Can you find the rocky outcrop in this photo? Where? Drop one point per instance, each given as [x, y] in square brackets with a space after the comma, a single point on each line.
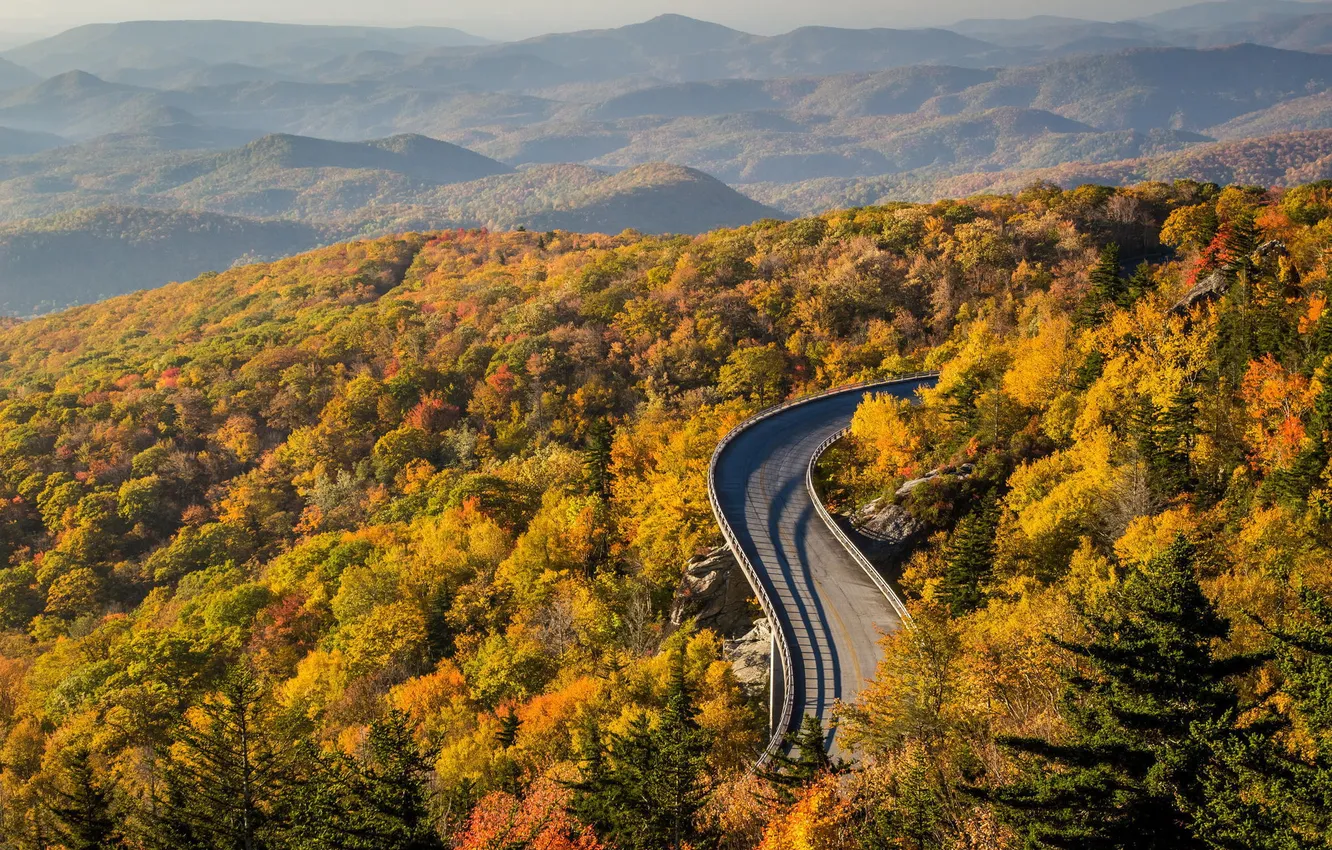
[963, 471]
[750, 657]
[715, 594]
[885, 523]
[1212, 286]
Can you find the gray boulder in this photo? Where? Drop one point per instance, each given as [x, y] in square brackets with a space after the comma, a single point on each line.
[716, 595]
[750, 657]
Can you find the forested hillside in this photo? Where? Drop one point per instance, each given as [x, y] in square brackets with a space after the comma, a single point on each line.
[373, 546]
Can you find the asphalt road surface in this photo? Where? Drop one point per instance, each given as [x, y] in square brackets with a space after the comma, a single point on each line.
[832, 614]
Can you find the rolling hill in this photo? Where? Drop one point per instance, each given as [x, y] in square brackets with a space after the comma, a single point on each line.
[13, 76]
[1283, 160]
[82, 256]
[72, 259]
[21, 142]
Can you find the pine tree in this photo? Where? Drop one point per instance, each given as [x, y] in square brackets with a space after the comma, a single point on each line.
[225, 773]
[970, 557]
[81, 804]
[913, 817]
[1140, 283]
[395, 787]
[507, 735]
[1108, 289]
[1106, 283]
[1150, 719]
[1237, 240]
[597, 458]
[1301, 788]
[1164, 440]
[645, 790]
[381, 803]
[803, 759]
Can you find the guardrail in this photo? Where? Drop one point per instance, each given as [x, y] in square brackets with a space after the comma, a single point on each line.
[852, 549]
[781, 645]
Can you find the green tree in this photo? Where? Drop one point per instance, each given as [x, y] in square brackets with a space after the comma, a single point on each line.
[395, 787]
[1153, 713]
[225, 770]
[970, 559]
[381, 802]
[645, 790]
[756, 372]
[597, 458]
[1108, 289]
[80, 802]
[803, 759]
[1300, 788]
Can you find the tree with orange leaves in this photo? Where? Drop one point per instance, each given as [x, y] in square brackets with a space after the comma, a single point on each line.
[537, 821]
[819, 820]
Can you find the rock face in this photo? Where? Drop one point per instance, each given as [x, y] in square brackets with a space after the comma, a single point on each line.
[716, 595]
[963, 471]
[750, 657]
[885, 523]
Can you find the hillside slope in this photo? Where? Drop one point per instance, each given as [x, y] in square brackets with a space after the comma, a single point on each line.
[72, 259]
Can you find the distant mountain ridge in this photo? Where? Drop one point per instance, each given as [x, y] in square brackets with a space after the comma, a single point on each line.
[101, 47]
[13, 76]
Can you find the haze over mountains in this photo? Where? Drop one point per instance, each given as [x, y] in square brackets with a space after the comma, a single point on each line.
[634, 126]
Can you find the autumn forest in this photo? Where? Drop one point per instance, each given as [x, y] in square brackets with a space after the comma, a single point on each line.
[378, 546]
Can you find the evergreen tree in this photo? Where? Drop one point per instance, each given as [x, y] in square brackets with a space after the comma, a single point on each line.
[395, 787]
[645, 790]
[81, 804]
[315, 804]
[1152, 719]
[508, 731]
[382, 803]
[597, 458]
[1237, 240]
[1140, 283]
[1301, 788]
[970, 557]
[225, 771]
[913, 816]
[804, 759]
[1108, 289]
[1106, 283]
[1164, 440]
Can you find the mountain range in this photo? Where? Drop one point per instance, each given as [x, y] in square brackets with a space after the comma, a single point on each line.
[638, 126]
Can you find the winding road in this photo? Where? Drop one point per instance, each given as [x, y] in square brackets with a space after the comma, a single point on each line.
[828, 606]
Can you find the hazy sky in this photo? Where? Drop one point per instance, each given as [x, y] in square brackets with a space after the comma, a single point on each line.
[525, 17]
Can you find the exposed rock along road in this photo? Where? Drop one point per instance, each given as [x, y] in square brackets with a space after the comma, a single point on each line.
[829, 611]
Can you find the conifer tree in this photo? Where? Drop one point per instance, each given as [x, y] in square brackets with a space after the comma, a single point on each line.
[1106, 283]
[970, 557]
[645, 790]
[1140, 283]
[1150, 713]
[225, 771]
[804, 759]
[395, 787]
[597, 458]
[382, 802]
[1108, 289]
[1300, 788]
[81, 804]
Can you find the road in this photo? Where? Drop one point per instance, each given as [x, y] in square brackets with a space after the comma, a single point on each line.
[829, 612]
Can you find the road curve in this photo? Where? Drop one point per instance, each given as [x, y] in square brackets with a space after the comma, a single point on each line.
[828, 612]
